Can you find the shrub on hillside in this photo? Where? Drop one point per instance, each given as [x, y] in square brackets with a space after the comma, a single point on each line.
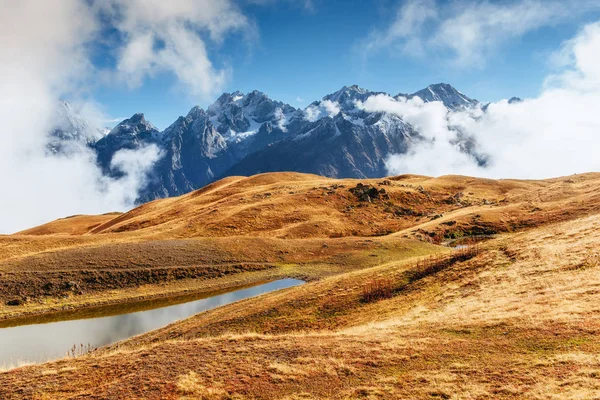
[378, 289]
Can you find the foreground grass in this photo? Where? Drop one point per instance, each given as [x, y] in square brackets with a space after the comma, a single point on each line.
[519, 320]
[409, 362]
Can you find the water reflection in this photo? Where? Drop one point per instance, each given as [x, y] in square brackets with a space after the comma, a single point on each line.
[43, 342]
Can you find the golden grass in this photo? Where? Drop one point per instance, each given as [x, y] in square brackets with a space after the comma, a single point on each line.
[518, 318]
[190, 385]
[74, 225]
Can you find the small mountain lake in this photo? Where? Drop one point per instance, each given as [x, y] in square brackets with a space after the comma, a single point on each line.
[41, 340]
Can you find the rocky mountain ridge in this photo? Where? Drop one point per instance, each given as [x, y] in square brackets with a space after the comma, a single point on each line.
[245, 134]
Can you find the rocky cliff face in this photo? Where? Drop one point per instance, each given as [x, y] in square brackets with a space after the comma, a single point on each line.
[131, 134]
[342, 141]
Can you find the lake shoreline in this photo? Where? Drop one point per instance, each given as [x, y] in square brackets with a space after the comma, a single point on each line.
[48, 341]
[57, 309]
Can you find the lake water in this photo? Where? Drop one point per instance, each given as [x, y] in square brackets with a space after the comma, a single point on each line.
[36, 343]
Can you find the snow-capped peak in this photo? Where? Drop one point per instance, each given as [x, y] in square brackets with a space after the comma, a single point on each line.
[346, 98]
[134, 126]
[237, 116]
[348, 93]
[445, 93]
[196, 112]
[70, 126]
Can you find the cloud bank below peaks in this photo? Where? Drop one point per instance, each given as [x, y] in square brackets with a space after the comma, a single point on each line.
[556, 133]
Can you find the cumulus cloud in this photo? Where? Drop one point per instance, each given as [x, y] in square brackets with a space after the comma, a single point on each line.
[46, 56]
[321, 109]
[470, 31]
[42, 60]
[134, 165]
[551, 135]
[438, 151]
[170, 36]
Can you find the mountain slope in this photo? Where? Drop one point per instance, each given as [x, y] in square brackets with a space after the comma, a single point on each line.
[200, 147]
[130, 134]
[349, 142]
[334, 147]
[73, 225]
[275, 225]
[295, 205]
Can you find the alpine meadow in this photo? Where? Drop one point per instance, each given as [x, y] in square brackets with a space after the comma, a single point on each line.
[311, 199]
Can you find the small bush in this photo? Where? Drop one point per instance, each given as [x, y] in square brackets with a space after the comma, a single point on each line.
[590, 261]
[434, 264]
[378, 289]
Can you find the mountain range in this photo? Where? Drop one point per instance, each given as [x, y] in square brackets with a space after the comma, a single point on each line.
[246, 134]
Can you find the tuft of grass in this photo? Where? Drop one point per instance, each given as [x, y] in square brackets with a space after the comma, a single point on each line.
[190, 385]
[591, 261]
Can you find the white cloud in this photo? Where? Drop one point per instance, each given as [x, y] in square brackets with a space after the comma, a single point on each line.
[437, 153]
[312, 113]
[551, 135]
[44, 58]
[281, 119]
[331, 107]
[579, 59]
[323, 108]
[406, 29]
[134, 164]
[468, 32]
[299, 99]
[170, 36]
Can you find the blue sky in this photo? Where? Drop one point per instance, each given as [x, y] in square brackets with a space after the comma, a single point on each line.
[294, 50]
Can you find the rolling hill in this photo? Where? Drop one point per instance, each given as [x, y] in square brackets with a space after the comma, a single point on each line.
[390, 309]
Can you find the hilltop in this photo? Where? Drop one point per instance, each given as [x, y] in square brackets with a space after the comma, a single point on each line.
[298, 206]
[390, 310]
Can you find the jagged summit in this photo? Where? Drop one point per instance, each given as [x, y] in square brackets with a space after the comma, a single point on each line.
[237, 116]
[347, 97]
[131, 133]
[196, 112]
[445, 93]
[351, 91]
[514, 100]
[71, 128]
[135, 125]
